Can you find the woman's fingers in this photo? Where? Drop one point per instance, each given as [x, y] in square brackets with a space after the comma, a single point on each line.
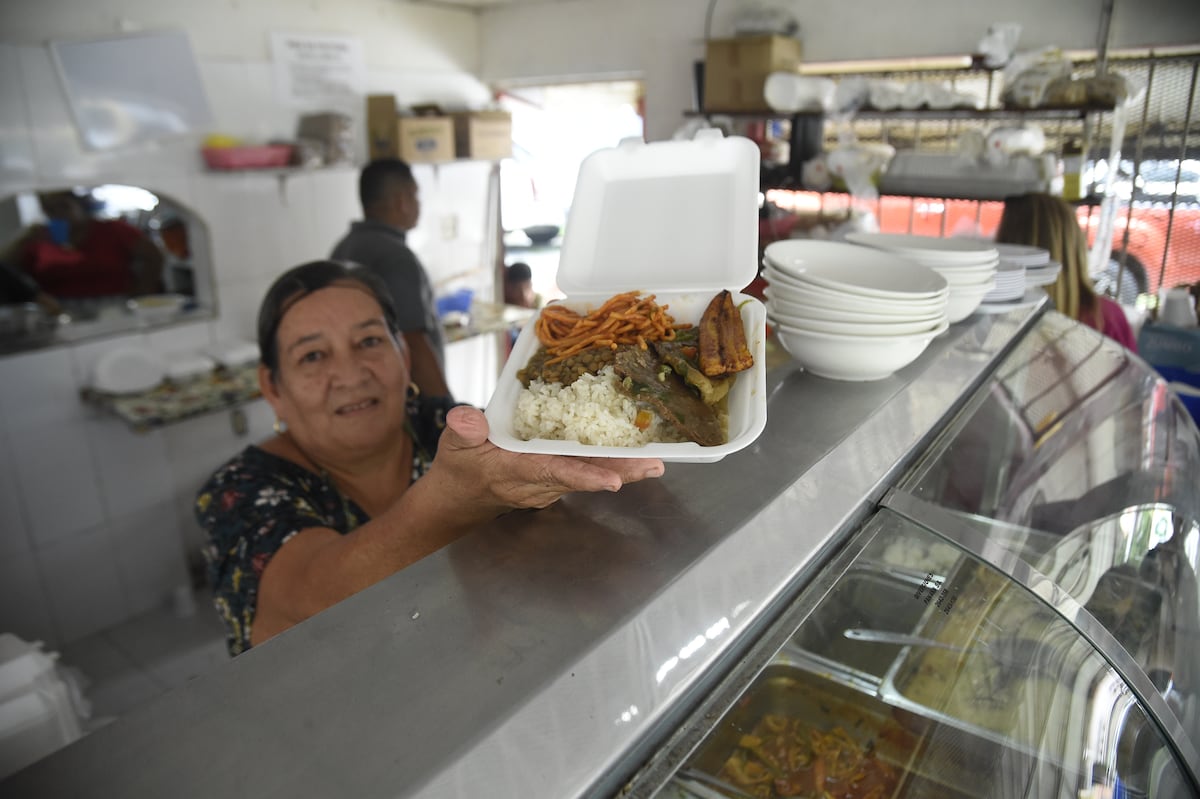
[530, 480]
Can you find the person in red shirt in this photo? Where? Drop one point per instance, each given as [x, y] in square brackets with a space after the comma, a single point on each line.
[76, 255]
[1049, 222]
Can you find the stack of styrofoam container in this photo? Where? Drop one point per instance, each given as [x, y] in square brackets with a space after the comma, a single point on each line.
[37, 714]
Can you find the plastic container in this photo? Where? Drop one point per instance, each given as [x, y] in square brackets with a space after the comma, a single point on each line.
[948, 175]
[459, 301]
[37, 716]
[263, 156]
[676, 219]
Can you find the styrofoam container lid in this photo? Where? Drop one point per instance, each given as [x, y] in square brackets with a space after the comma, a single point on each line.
[673, 215]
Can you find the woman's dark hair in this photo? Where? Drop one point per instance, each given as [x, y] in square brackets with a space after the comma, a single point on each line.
[300, 281]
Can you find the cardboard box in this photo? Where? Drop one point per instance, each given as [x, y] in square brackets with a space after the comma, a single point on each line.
[416, 139]
[483, 134]
[425, 140]
[382, 139]
[735, 70]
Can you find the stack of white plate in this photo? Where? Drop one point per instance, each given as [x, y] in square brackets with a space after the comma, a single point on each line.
[1010, 283]
[968, 265]
[1039, 269]
[851, 313]
[1011, 276]
[1044, 275]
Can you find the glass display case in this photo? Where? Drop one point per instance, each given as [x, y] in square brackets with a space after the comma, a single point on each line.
[1019, 617]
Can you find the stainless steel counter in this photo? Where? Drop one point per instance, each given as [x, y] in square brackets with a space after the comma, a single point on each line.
[546, 654]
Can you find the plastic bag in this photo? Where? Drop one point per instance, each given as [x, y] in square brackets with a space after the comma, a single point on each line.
[1028, 75]
[998, 44]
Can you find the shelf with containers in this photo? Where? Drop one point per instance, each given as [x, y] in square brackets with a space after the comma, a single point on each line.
[1145, 231]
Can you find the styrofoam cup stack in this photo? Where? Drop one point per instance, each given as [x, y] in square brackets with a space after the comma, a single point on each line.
[968, 265]
[851, 313]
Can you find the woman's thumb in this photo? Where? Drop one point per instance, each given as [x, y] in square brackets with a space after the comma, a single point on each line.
[466, 427]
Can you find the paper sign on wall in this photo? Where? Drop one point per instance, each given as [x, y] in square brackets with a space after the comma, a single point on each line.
[314, 70]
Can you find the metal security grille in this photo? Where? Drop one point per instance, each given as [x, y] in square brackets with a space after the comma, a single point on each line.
[1154, 184]
[1160, 153]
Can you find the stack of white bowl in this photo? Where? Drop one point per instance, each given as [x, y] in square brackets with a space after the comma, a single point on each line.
[848, 312]
[969, 265]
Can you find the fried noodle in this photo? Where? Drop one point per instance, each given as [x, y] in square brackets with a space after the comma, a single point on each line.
[623, 319]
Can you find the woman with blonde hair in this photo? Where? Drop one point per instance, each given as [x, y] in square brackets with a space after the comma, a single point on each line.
[1049, 222]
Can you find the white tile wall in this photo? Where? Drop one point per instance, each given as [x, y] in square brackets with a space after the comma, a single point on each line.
[58, 483]
[96, 521]
[83, 584]
[14, 535]
[16, 135]
[132, 467]
[149, 555]
[24, 608]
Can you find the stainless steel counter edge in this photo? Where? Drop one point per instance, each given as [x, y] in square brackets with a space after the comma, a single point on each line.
[530, 658]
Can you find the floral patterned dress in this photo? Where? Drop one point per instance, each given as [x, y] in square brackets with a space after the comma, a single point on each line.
[257, 501]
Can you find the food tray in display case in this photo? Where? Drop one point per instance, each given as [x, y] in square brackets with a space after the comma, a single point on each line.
[947, 704]
[867, 597]
[792, 730]
[1007, 669]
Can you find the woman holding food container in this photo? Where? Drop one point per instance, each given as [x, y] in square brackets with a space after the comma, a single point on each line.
[364, 476]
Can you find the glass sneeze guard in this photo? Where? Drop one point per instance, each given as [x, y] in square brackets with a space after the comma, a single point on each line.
[925, 671]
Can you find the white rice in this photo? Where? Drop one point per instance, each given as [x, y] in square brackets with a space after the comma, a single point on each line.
[591, 411]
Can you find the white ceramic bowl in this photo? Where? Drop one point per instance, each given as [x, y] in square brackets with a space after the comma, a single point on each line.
[947, 260]
[968, 279]
[964, 302]
[953, 248]
[874, 328]
[852, 269]
[817, 295]
[854, 358]
[880, 313]
[786, 282]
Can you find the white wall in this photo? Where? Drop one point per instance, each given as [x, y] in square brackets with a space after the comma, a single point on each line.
[95, 520]
[659, 40]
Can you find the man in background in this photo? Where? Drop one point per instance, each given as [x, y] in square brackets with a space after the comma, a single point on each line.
[391, 208]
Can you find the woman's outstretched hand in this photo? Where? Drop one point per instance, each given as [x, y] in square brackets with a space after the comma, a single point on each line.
[481, 473]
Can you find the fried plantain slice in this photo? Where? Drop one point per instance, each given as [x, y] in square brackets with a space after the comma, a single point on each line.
[735, 351]
[722, 338]
[709, 339]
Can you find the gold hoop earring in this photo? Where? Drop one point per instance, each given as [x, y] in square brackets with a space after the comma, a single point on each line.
[280, 426]
[414, 390]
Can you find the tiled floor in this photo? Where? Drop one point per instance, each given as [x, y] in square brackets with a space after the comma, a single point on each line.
[133, 663]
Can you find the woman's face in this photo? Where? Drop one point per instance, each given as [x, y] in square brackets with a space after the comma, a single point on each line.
[343, 378]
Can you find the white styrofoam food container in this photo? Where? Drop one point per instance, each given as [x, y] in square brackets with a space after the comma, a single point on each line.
[676, 219]
[37, 716]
